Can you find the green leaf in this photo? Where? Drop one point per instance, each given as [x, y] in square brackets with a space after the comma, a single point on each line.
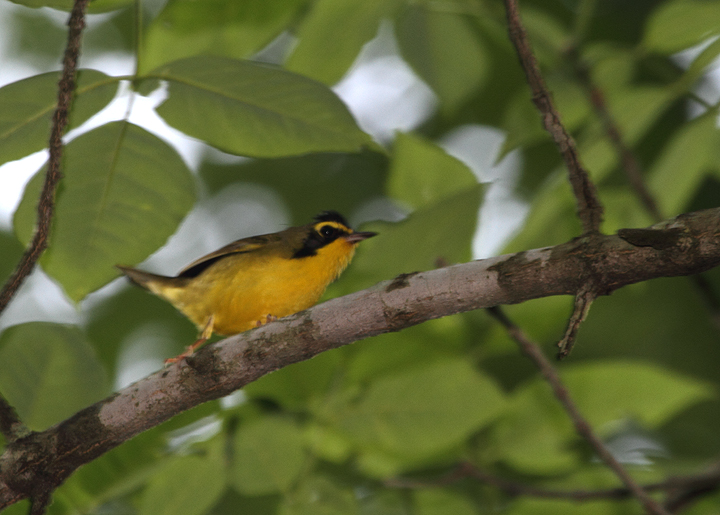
[308, 184]
[327, 443]
[656, 321]
[606, 391]
[677, 25]
[269, 456]
[218, 27]
[636, 110]
[698, 67]
[422, 173]
[186, 485]
[343, 27]
[442, 502]
[680, 169]
[422, 411]
[48, 372]
[531, 436]
[383, 501]
[124, 193]
[120, 473]
[535, 434]
[442, 49]
[623, 209]
[11, 253]
[522, 123]
[255, 110]
[388, 353]
[530, 506]
[27, 107]
[442, 231]
[294, 386]
[318, 495]
[551, 220]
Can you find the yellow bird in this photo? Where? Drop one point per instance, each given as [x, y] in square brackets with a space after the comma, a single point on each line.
[258, 279]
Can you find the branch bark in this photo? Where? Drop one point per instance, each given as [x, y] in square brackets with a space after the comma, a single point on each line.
[686, 245]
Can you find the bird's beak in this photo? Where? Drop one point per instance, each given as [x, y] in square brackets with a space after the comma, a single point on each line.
[357, 237]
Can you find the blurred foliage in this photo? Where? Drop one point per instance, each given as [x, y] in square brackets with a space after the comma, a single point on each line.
[250, 80]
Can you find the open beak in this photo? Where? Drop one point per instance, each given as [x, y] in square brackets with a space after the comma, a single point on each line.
[357, 237]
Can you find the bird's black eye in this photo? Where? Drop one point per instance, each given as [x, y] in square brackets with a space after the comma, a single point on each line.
[327, 231]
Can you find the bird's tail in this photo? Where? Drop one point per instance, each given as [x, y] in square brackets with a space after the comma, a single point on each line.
[151, 282]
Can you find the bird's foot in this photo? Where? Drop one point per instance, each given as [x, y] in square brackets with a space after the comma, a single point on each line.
[268, 319]
[188, 352]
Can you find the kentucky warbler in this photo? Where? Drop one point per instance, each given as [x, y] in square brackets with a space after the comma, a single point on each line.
[258, 279]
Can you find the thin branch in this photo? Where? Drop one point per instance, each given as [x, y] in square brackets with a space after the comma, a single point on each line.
[681, 487]
[223, 367]
[589, 208]
[583, 428]
[10, 424]
[514, 489]
[66, 87]
[684, 491]
[630, 164]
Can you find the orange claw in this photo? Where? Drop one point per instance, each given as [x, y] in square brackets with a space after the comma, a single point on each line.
[204, 336]
[268, 319]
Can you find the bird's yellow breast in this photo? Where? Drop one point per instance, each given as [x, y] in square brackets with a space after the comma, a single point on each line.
[241, 290]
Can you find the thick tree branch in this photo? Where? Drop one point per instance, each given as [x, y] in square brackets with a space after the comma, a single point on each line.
[686, 245]
[589, 209]
[10, 424]
[582, 426]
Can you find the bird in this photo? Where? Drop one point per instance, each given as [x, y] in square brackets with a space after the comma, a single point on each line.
[255, 280]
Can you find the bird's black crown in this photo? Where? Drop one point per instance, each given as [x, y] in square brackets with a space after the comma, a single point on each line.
[331, 216]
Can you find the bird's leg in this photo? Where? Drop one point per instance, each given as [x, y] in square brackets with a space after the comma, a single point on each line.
[268, 319]
[202, 338]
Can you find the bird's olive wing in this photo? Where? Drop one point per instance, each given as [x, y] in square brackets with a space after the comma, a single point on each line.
[251, 244]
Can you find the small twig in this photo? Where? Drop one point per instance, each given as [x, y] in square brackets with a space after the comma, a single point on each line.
[40, 502]
[583, 428]
[589, 209]
[46, 206]
[583, 300]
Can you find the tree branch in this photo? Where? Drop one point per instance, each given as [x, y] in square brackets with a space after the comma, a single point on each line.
[582, 426]
[633, 170]
[686, 245]
[590, 210]
[66, 87]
